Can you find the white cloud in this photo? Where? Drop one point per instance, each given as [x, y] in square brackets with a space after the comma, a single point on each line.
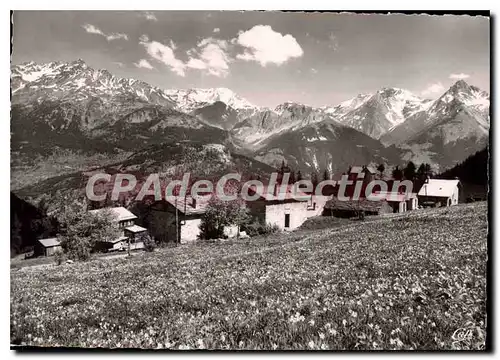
[433, 89]
[115, 36]
[143, 63]
[119, 64]
[210, 55]
[164, 54]
[196, 64]
[150, 16]
[216, 30]
[460, 76]
[314, 71]
[264, 45]
[91, 29]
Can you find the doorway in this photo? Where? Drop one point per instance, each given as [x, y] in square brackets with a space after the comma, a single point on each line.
[287, 220]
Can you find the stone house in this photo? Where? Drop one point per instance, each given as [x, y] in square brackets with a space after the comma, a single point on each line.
[283, 210]
[177, 219]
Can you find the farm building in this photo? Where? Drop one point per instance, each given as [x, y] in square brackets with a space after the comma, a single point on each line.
[284, 210]
[399, 202]
[178, 219]
[47, 247]
[128, 230]
[438, 192]
[353, 208]
[134, 235]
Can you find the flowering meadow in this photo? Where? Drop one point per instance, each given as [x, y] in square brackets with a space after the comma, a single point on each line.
[410, 282]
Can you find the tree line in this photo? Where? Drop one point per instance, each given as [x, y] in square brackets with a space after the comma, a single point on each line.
[409, 172]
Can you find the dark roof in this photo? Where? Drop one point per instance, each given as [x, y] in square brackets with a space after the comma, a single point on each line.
[354, 205]
[188, 205]
[280, 193]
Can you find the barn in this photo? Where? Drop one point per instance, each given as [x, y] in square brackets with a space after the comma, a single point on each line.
[439, 192]
[353, 208]
[400, 202]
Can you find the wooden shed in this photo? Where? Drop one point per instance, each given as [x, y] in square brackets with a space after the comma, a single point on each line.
[47, 247]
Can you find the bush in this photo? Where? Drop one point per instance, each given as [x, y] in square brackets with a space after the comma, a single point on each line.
[257, 228]
[78, 248]
[149, 244]
[220, 214]
[81, 231]
[59, 257]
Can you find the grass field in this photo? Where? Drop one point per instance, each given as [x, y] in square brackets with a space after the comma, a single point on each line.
[416, 281]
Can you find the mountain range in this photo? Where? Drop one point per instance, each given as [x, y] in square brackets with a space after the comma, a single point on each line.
[70, 105]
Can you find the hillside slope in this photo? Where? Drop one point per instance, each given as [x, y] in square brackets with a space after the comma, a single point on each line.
[386, 283]
[169, 160]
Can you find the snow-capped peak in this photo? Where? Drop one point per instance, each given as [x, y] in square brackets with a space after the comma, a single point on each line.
[469, 95]
[460, 94]
[77, 80]
[377, 113]
[188, 100]
[347, 106]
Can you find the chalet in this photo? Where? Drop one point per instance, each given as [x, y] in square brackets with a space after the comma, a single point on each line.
[281, 208]
[177, 219]
[47, 247]
[439, 192]
[353, 208]
[128, 230]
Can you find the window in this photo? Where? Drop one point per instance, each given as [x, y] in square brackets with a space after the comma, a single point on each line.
[287, 220]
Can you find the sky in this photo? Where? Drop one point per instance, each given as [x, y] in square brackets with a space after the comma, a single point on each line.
[266, 57]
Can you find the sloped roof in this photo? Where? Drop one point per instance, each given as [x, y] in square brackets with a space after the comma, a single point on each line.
[280, 193]
[50, 242]
[135, 228]
[363, 204]
[395, 196]
[185, 204]
[120, 212]
[121, 238]
[438, 188]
